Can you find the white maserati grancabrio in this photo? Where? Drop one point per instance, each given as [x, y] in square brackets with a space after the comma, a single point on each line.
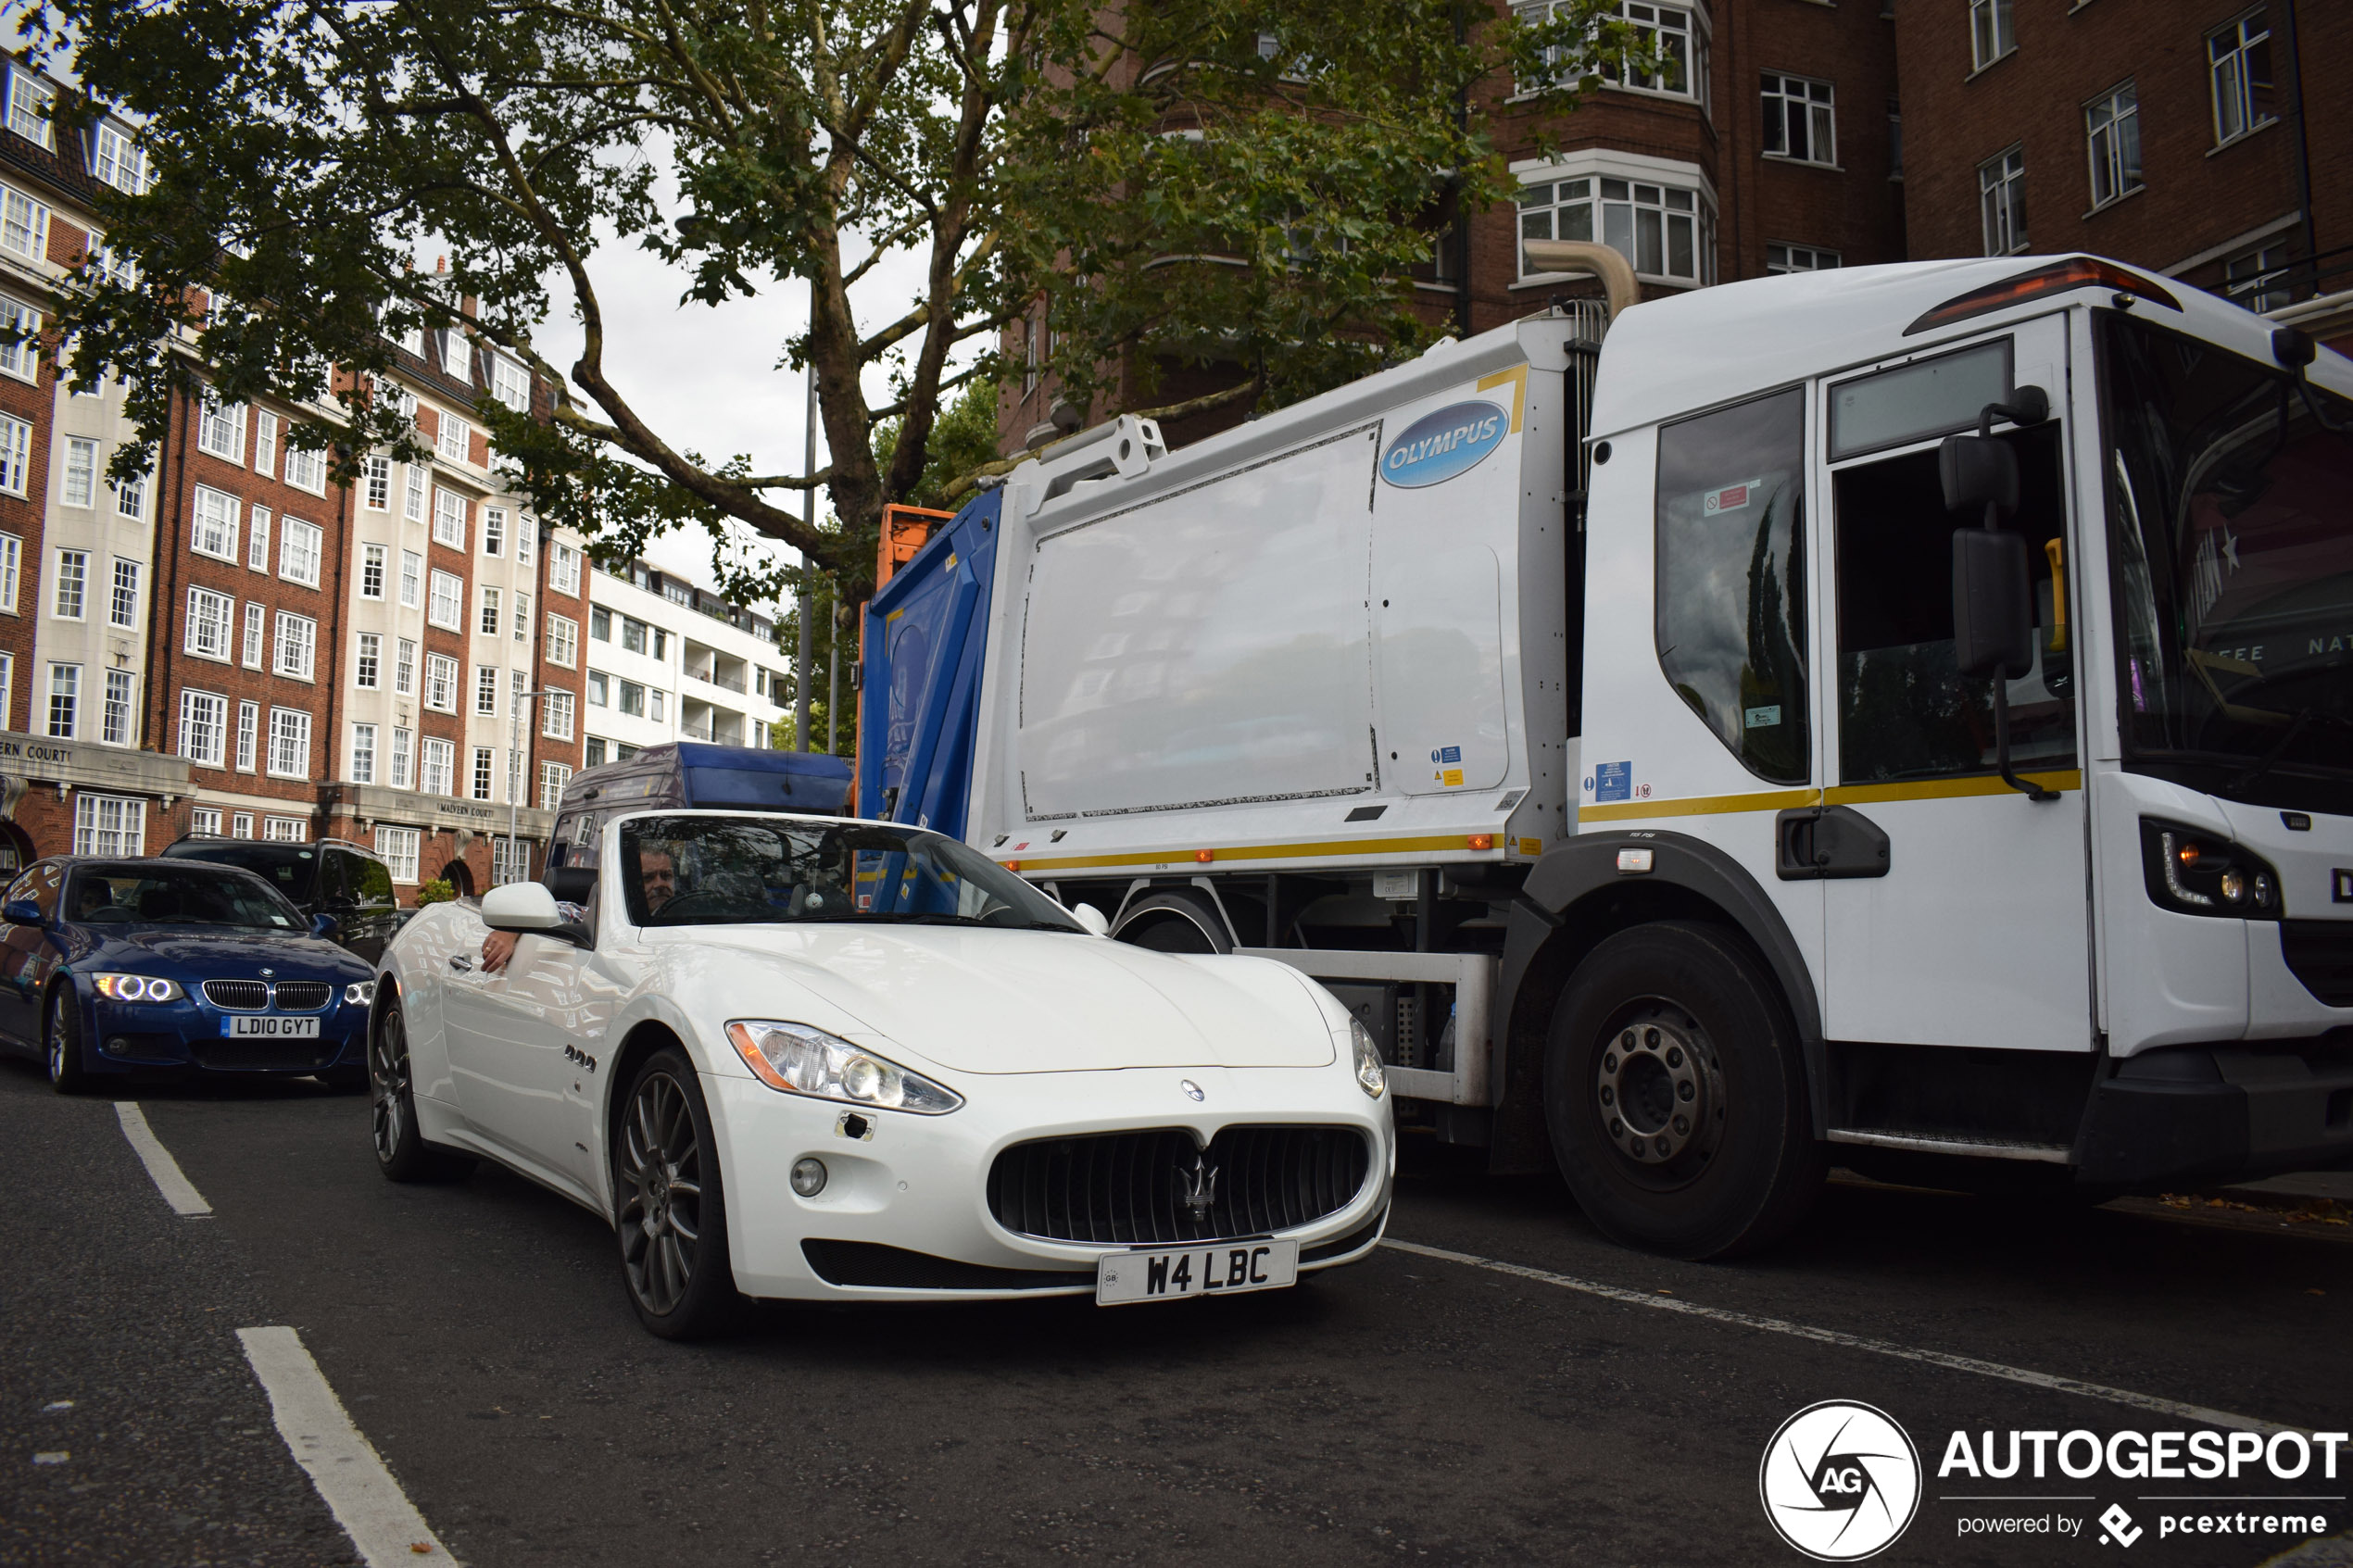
[835, 1059]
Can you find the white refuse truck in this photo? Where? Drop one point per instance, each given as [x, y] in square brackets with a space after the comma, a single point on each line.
[1899, 718]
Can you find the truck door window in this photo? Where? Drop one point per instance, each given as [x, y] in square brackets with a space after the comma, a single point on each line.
[1731, 596]
[1904, 711]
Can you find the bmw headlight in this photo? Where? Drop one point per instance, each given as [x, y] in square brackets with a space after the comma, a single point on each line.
[800, 1059]
[137, 987]
[1370, 1076]
[359, 993]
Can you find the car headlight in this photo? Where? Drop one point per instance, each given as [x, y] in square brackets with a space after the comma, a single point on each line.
[1370, 1076]
[359, 992]
[800, 1059]
[137, 987]
[2192, 871]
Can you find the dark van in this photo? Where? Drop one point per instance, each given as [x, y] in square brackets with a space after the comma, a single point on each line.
[689, 775]
[327, 876]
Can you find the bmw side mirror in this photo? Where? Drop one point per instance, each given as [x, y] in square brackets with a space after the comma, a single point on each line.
[21, 912]
[322, 925]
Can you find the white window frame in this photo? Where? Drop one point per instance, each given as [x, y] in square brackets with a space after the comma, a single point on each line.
[301, 547]
[24, 225]
[204, 727]
[286, 830]
[481, 778]
[453, 438]
[414, 501]
[510, 382]
[22, 357]
[522, 617]
[265, 441]
[372, 571]
[1992, 36]
[493, 531]
[122, 163]
[446, 601]
[563, 569]
[16, 457]
[212, 529]
[289, 743]
[2112, 143]
[122, 609]
[376, 488]
[442, 675]
[30, 99]
[307, 470]
[448, 518]
[1800, 107]
[368, 661]
[297, 647]
[81, 483]
[2001, 202]
[71, 601]
[117, 722]
[362, 766]
[404, 669]
[257, 539]
[486, 691]
[109, 824]
[241, 825]
[213, 626]
[562, 643]
[220, 430]
[486, 613]
[402, 758]
[256, 650]
[437, 766]
[398, 848]
[65, 701]
[556, 713]
[1605, 183]
[2227, 52]
[205, 821]
[412, 579]
[553, 778]
[248, 734]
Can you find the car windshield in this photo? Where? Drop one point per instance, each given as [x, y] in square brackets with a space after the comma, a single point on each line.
[2230, 507]
[151, 894]
[292, 869]
[735, 871]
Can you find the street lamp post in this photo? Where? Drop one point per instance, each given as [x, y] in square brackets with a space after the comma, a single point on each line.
[518, 770]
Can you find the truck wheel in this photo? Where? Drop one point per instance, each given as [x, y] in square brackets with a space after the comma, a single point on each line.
[1675, 1095]
[1178, 920]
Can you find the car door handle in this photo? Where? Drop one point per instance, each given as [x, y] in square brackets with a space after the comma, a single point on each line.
[461, 963]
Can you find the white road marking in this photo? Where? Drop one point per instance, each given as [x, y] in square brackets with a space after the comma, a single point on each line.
[177, 1189]
[1945, 1358]
[367, 1502]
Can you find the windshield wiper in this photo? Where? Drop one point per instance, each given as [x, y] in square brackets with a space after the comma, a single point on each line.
[2271, 758]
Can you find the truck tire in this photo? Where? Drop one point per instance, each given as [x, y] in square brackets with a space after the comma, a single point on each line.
[1675, 1095]
[1178, 920]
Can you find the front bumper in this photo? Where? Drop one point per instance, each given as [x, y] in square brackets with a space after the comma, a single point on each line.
[186, 1035]
[904, 1214]
[2222, 1112]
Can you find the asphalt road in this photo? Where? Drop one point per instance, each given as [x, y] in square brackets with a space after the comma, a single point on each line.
[1410, 1408]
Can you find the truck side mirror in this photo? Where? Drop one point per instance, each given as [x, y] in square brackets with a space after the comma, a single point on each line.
[1993, 616]
[1977, 472]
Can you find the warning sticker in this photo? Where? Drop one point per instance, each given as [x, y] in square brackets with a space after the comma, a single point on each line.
[1613, 781]
[1730, 498]
[1531, 847]
[1452, 778]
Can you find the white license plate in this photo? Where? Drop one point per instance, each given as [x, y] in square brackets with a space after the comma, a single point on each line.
[1175, 1272]
[265, 1026]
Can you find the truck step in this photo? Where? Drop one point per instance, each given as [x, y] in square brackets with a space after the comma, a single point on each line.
[1946, 1143]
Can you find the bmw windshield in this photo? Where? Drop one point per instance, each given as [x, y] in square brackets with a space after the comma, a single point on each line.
[737, 870]
[2231, 506]
[152, 895]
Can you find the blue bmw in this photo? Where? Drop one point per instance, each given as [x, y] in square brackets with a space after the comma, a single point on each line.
[109, 967]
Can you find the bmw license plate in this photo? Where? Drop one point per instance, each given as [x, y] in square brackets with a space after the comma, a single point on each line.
[1172, 1274]
[268, 1026]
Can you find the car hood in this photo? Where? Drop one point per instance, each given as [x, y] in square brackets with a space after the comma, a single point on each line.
[978, 1000]
[229, 952]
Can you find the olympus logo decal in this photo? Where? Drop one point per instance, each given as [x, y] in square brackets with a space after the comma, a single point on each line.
[1437, 447]
[1840, 1481]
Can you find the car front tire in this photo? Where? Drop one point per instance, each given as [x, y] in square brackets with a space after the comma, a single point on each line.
[670, 1212]
[61, 1043]
[1675, 1093]
[402, 1153]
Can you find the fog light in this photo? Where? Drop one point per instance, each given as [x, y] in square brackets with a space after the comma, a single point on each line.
[117, 1044]
[809, 1176]
[2235, 885]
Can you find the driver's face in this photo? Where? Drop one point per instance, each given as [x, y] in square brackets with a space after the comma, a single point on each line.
[658, 874]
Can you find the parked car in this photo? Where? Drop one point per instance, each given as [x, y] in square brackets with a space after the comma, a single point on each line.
[110, 967]
[328, 876]
[825, 1059]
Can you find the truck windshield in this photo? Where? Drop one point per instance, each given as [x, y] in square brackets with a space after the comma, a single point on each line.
[2230, 507]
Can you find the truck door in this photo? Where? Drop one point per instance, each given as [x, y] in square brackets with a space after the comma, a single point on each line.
[1974, 928]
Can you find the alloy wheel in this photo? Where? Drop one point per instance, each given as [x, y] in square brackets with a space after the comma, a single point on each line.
[660, 1182]
[59, 1046]
[388, 1085]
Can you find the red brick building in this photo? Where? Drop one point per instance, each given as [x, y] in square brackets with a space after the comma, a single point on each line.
[2182, 136]
[233, 645]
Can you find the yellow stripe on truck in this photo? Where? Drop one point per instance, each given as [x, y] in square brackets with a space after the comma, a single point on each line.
[1454, 843]
[1837, 795]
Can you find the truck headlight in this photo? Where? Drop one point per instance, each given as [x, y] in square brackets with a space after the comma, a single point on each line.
[137, 987]
[802, 1060]
[1370, 1075]
[2192, 871]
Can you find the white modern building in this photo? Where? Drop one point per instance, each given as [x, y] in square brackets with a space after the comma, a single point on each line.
[666, 659]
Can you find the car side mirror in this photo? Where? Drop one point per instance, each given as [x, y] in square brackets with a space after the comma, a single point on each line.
[1993, 617]
[21, 912]
[521, 906]
[1092, 919]
[323, 925]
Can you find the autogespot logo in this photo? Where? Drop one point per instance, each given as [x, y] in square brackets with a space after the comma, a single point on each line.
[1840, 1481]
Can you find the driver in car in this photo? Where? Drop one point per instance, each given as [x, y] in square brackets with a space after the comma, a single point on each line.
[656, 875]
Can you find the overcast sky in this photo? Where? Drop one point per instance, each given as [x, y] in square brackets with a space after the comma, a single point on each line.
[706, 378]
